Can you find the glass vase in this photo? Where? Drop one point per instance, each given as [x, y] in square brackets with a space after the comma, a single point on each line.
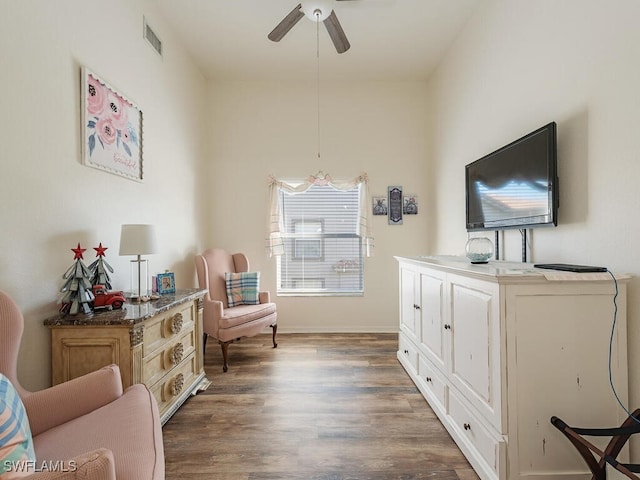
[479, 249]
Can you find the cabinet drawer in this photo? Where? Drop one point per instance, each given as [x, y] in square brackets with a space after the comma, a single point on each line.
[434, 385]
[409, 352]
[166, 327]
[176, 383]
[171, 354]
[477, 435]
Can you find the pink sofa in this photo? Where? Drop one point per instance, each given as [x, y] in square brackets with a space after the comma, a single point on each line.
[98, 430]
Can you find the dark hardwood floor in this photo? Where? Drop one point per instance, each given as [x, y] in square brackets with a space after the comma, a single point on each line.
[320, 407]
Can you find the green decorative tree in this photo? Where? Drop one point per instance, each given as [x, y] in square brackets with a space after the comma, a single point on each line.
[77, 286]
[100, 268]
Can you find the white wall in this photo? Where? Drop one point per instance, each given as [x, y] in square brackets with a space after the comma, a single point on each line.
[50, 200]
[518, 65]
[266, 128]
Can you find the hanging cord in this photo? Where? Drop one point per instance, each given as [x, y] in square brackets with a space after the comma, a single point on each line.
[613, 329]
[317, 13]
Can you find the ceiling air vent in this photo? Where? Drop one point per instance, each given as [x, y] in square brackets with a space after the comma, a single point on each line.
[152, 38]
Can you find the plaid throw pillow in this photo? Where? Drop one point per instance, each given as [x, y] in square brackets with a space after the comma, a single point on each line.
[242, 288]
[16, 444]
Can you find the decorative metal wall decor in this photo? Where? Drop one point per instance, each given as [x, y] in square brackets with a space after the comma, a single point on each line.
[395, 205]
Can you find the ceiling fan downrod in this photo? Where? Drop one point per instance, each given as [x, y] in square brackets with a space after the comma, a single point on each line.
[318, 14]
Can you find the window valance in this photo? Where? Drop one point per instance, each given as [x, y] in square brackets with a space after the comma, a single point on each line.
[275, 243]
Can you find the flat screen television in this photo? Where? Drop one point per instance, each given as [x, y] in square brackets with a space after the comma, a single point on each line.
[516, 186]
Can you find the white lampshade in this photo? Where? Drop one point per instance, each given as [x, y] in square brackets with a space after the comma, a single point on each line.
[138, 240]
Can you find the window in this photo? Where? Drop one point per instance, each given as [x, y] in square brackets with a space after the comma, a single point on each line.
[308, 243]
[322, 249]
[319, 233]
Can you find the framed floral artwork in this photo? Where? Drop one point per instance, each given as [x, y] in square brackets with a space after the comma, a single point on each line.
[111, 129]
[379, 205]
[410, 204]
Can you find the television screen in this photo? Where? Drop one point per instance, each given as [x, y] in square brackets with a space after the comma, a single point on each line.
[515, 186]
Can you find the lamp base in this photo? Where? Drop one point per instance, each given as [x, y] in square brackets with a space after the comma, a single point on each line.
[139, 280]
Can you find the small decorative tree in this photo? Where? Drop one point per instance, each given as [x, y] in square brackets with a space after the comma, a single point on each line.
[100, 268]
[77, 286]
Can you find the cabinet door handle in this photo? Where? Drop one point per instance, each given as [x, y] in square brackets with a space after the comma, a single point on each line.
[406, 352]
[466, 426]
[447, 326]
[417, 307]
[428, 379]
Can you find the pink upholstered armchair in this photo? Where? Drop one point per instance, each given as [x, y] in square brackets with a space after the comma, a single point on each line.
[224, 323]
[87, 427]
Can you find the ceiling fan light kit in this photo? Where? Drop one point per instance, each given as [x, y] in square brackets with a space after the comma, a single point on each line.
[311, 9]
[317, 11]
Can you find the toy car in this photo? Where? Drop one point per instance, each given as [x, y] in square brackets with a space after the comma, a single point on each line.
[113, 299]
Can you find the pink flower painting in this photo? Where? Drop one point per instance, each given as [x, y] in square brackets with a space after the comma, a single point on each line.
[112, 129]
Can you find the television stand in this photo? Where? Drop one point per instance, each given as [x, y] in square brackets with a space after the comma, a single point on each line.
[498, 349]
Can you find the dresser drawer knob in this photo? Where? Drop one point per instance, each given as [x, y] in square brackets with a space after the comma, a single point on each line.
[467, 426]
[178, 384]
[176, 354]
[176, 323]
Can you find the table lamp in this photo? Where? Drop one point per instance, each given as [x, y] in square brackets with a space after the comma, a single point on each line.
[138, 240]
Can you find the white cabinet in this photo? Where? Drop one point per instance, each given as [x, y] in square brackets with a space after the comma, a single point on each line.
[409, 315]
[498, 349]
[431, 320]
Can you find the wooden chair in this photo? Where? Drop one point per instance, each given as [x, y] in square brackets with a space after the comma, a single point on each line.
[596, 459]
[224, 323]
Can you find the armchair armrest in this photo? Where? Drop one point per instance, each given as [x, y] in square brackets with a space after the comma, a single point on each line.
[96, 465]
[211, 315]
[66, 401]
[264, 297]
[213, 308]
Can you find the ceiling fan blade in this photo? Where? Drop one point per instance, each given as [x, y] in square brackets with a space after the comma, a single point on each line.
[286, 24]
[336, 33]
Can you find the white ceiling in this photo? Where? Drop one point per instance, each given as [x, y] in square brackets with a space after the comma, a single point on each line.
[390, 39]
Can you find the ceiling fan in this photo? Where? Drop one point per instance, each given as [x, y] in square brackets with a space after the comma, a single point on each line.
[330, 21]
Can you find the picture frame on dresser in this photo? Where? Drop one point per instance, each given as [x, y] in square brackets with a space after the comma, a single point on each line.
[111, 128]
[166, 283]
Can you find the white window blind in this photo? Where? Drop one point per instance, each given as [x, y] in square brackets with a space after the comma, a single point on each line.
[322, 246]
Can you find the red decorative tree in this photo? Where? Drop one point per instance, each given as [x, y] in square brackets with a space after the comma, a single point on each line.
[77, 286]
[100, 268]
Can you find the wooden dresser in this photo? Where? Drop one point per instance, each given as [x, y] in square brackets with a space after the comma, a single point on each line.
[158, 343]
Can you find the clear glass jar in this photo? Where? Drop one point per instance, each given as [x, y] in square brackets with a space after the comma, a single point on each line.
[479, 249]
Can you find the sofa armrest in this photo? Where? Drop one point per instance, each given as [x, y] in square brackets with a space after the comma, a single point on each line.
[264, 297]
[95, 465]
[66, 401]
